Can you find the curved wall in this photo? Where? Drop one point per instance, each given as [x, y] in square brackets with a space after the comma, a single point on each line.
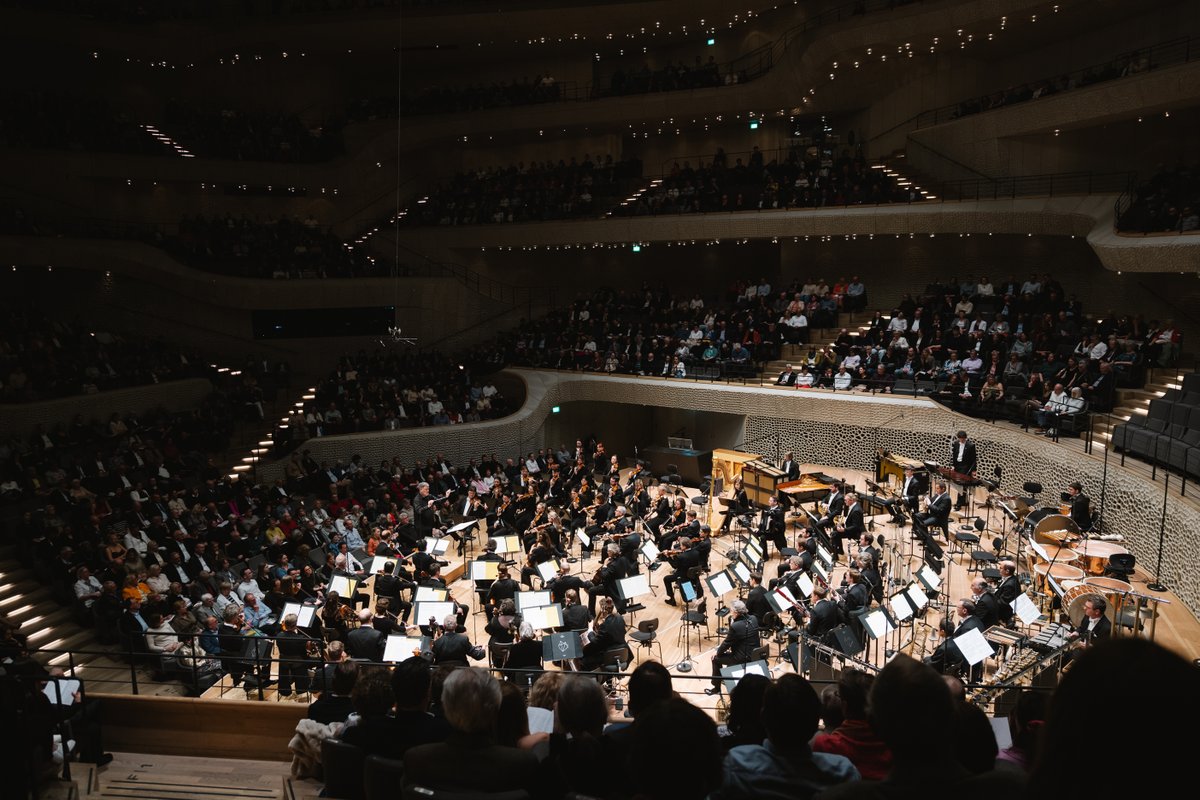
[175, 395]
[843, 430]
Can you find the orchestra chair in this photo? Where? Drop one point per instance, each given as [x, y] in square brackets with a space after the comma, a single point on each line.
[985, 561]
[646, 637]
[1120, 565]
[498, 654]
[693, 620]
[381, 776]
[615, 660]
[762, 653]
[415, 792]
[343, 767]
[963, 537]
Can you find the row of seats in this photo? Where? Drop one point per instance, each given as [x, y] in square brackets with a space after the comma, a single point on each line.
[1169, 434]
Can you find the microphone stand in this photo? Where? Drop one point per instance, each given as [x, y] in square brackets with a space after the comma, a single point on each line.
[1158, 585]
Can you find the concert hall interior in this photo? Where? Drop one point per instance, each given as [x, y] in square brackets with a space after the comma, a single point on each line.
[598, 399]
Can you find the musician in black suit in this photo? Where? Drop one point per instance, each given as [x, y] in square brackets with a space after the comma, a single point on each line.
[870, 575]
[789, 467]
[835, 505]
[739, 645]
[947, 658]
[294, 658]
[565, 582]
[683, 560]
[365, 642]
[1008, 589]
[608, 632]
[853, 527]
[690, 528]
[987, 605]
[771, 527]
[822, 616]
[909, 497]
[936, 516]
[1095, 626]
[756, 598]
[453, 647]
[855, 599]
[614, 568]
[963, 459]
[1081, 506]
[389, 586]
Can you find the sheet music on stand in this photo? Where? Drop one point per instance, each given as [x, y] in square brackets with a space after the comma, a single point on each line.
[901, 605]
[61, 691]
[431, 594]
[304, 614]
[430, 609]
[399, 647]
[377, 563]
[688, 589]
[633, 586]
[930, 579]
[755, 550]
[344, 585]
[824, 556]
[484, 570]
[973, 646]
[917, 597]
[548, 570]
[526, 600]
[735, 672]
[719, 584]
[741, 572]
[582, 536]
[462, 526]
[1025, 609]
[822, 572]
[650, 551]
[877, 624]
[805, 584]
[436, 547]
[781, 600]
[507, 544]
[544, 618]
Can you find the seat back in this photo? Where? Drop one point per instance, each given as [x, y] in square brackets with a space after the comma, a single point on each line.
[343, 765]
[1121, 562]
[381, 776]
[761, 653]
[648, 625]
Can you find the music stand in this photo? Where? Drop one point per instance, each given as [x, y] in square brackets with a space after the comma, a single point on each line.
[544, 618]
[467, 538]
[630, 588]
[547, 570]
[398, 647]
[437, 610]
[510, 543]
[877, 624]
[345, 585]
[563, 646]
[525, 600]
[735, 672]
[304, 614]
[650, 552]
[430, 594]
[436, 547]
[377, 563]
[719, 585]
[483, 570]
[741, 572]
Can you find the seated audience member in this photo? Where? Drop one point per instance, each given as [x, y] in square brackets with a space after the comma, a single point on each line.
[744, 723]
[912, 710]
[336, 704]
[854, 737]
[376, 732]
[578, 749]
[512, 723]
[784, 766]
[1025, 723]
[542, 697]
[470, 701]
[671, 734]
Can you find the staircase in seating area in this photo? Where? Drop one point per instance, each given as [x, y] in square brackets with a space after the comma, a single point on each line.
[856, 323]
[1133, 402]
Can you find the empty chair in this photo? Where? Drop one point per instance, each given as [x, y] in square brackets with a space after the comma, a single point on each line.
[381, 776]
[646, 636]
[343, 766]
[1120, 565]
[904, 386]
[1178, 450]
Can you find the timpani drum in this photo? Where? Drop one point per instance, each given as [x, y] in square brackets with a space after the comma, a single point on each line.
[1065, 509]
[1059, 572]
[1115, 591]
[1050, 527]
[1056, 555]
[1094, 553]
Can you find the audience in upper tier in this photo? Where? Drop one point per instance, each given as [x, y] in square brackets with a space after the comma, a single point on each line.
[1168, 202]
[520, 193]
[809, 178]
[279, 248]
[86, 123]
[42, 358]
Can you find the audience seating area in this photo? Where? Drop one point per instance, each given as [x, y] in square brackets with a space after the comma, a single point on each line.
[1167, 203]
[519, 193]
[43, 358]
[807, 178]
[1168, 435]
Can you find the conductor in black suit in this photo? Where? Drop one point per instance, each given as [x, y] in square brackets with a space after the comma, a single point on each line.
[1081, 506]
[963, 459]
[740, 643]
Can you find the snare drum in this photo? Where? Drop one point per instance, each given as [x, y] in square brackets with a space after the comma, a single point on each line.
[1094, 553]
[1059, 572]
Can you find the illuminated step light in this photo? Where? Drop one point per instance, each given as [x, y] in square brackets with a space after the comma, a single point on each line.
[309, 396]
[250, 459]
[242, 468]
[258, 451]
[266, 443]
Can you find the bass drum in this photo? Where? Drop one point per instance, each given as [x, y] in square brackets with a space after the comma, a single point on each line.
[1074, 599]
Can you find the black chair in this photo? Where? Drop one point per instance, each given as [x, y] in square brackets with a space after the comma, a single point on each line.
[694, 619]
[646, 636]
[381, 776]
[1120, 565]
[343, 766]
[761, 653]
